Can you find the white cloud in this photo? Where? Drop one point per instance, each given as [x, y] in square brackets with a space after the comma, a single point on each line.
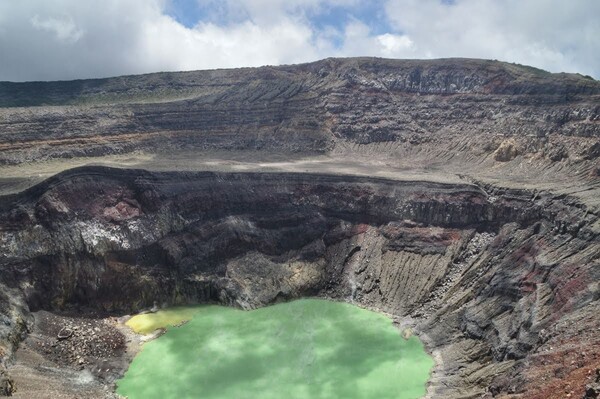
[64, 29]
[555, 35]
[394, 44]
[358, 40]
[67, 39]
[212, 46]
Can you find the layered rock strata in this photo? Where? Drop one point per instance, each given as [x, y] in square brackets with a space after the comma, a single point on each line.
[459, 196]
[306, 108]
[485, 275]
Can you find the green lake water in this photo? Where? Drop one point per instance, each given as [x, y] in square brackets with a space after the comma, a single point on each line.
[307, 348]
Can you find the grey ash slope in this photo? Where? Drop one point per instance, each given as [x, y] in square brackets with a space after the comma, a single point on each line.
[460, 196]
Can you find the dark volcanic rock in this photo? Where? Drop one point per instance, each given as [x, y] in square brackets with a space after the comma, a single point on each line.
[248, 239]
[188, 225]
[6, 384]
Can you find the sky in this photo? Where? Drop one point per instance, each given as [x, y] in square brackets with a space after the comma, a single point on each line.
[75, 39]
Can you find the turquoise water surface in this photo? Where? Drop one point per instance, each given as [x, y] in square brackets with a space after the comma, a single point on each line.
[308, 348]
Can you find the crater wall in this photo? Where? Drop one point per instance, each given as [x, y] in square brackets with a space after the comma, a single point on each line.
[485, 275]
[459, 196]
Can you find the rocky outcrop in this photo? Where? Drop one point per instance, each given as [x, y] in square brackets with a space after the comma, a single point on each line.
[592, 391]
[6, 384]
[16, 322]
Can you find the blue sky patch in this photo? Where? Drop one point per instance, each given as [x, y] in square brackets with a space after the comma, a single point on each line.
[371, 13]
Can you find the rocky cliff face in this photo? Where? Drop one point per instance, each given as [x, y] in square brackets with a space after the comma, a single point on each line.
[482, 235]
[306, 108]
[483, 277]
[175, 232]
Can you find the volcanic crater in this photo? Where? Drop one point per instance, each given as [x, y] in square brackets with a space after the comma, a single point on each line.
[460, 197]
